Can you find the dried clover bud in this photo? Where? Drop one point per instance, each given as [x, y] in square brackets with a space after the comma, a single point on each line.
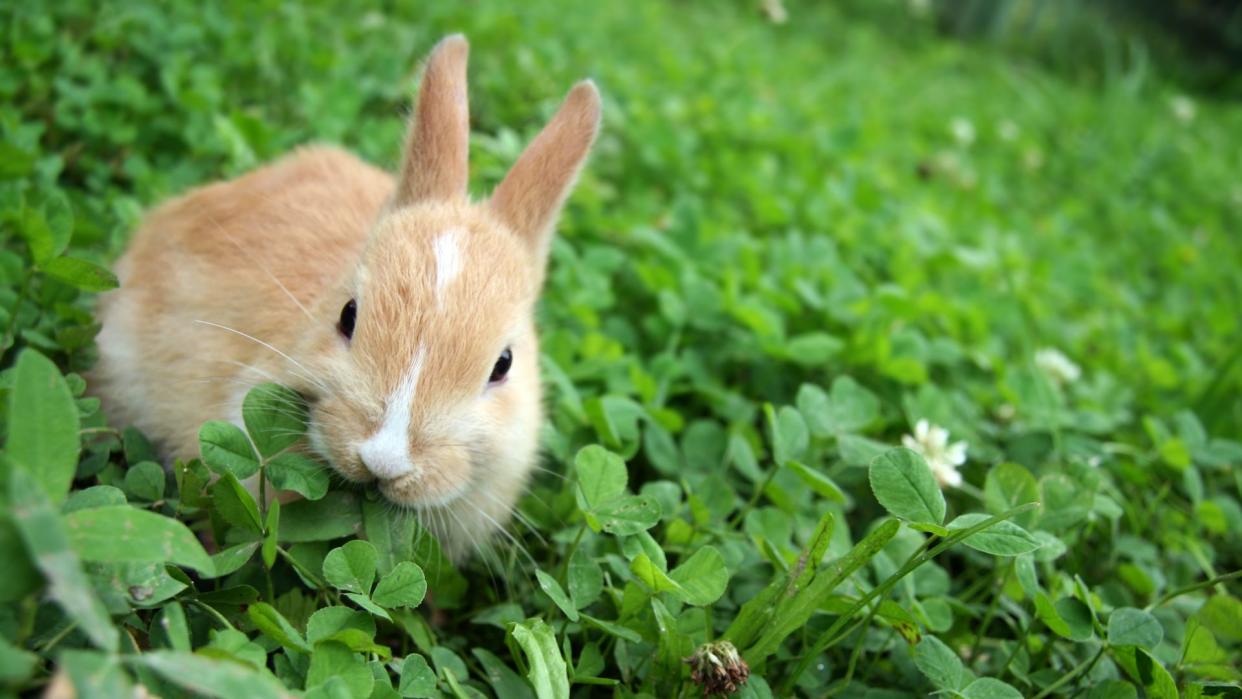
[717, 668]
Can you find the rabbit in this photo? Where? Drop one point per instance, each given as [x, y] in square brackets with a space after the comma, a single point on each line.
[402, 311]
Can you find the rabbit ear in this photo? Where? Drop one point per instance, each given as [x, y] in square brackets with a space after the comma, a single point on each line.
[531, 195]
[436, 162]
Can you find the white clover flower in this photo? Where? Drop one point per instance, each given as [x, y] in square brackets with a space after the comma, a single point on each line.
[1033, 159]
[1057, 365]
[932, 443]
[963, 131]
[1183, 108]
[774, 10]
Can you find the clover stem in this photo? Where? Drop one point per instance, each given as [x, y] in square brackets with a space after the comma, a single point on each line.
[987, 617]
[1195, 587]
[1079, 669]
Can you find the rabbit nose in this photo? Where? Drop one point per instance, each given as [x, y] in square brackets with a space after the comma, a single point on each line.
[386, 456]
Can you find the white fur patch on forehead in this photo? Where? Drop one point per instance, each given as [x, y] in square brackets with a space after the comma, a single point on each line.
[386, 453]
[446, 250]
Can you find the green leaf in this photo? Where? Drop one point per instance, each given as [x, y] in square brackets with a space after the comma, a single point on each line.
[788, 433]
[1068, 617]
[275, 418]
[703, 577]
[137, 447]
[818, 482]
[1200, 649]
[1024, 571]
[271, 533]
[171, 621]
[231, 559]
[904, 485]
[1008, 485]
[1128, 626]
[628, 515]
[1003, 538]
[16, 665]
[989, 688]
[1146, 671]
[43, 424]
[417, 678]
[585, 579]
[859, 451]
[1066, 503]
[298, 473]
[651, 575]
[612, 629]
[94, 496]
[330, 620]
[448, 664]
[45, 240]
[1222, 614]
[15, 163]
[123, 534]
[332, 688]
[337, 515]
[504, 681]
[351, 567]
[82, 274]
[334, 659]
[1112, 689]
[813, 349]
[273, 624]
[941, 665]
[849, 408]
[546, 668]
[601, 476]
[145, 481]
[95, 675]
[209, 676]
[392, 531]
[553, 590]
[226, 449]
[235, 505]
[58, 214]
[20, 576]
[405, 586]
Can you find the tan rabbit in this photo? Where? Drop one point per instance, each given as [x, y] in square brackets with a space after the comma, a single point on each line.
[400, 309]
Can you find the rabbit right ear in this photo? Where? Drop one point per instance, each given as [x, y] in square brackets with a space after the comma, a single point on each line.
[436, 160]
[530, 196]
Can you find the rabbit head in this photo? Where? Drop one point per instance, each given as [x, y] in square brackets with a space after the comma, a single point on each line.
[429, 344]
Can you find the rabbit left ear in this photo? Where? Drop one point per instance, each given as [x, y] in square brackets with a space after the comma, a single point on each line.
[531, 195]
[436, 162]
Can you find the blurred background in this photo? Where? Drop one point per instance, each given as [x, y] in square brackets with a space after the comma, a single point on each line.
[1195, 42]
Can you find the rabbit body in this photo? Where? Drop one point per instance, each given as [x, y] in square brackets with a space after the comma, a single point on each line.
[225, 259]
[399, 309]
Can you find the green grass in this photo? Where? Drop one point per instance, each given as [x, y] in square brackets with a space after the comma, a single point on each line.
[792, 244]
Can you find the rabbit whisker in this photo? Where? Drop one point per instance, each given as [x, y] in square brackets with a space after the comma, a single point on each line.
[308, 375]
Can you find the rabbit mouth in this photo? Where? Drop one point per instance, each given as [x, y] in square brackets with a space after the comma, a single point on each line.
[417, 491]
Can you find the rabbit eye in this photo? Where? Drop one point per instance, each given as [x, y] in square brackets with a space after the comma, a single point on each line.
[501, 369]
[349, 314]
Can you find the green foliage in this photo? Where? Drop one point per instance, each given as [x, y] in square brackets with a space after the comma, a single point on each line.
[794, 244]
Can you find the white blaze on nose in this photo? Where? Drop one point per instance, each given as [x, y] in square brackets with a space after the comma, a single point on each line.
[386, 453]
[447, 253]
